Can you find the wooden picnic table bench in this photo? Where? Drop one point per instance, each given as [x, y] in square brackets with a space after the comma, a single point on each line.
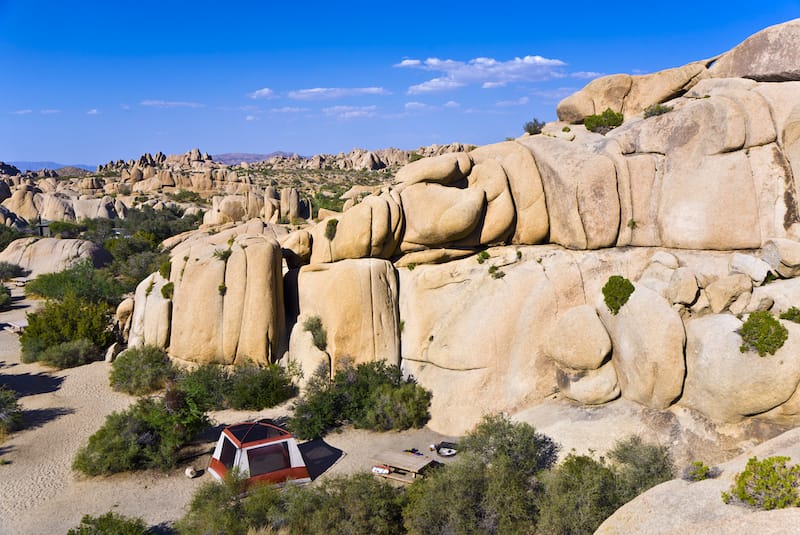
[403, 466]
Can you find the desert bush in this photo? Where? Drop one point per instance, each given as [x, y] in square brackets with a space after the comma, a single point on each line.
[766, 484]
[330, 229]
[793, 314]
[604, 122]
[639, 466]
[62, 321]
[578, 496]
[9, 234]
[762, 333]
[482, 257]
[496, 435]
[656, 109]
[81, 280]
[616, 292]
[10, 411]
[318, 332]
[398, 407]
[186, 196]
[133, 269]
[255, 388]
[208, 386]
[414, 156]
[5, 298]
[65, 229]
[9, 271]
[699, 471]
[146, 435]
[141, 370]
[110, 524]
[165, 268]
[168, 290]
[70, 354]
[533, 126]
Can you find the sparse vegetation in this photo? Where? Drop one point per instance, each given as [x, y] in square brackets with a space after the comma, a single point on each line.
[110, 524]
[616, 292]
[482, 257]
[168, 290]
[533, 126]
[767, 484]
[762, 333]
[9, 271]
[330, 229]
[414, 156]
[566, 129]
[656, 109]
[793, 314]
[81, 280]
[604, 122]
[223, 254]
[70, 354]
[318, 332]
[698, 471]
[496, 273]
[222, 289]
[639, 466]
[10, 412]
[141, 370]
[5, 298]
[255, 388]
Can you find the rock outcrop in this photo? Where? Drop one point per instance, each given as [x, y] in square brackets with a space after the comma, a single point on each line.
[49, 255]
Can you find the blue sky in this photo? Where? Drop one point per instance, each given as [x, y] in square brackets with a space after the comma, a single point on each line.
[87, 82]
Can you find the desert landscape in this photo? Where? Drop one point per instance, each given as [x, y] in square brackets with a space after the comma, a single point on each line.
[592, 327]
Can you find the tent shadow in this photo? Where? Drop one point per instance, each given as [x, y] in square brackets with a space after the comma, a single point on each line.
[319, 456]
[31, 384]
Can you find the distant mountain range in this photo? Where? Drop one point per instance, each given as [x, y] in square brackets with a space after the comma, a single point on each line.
[233, 158]
[36, 166]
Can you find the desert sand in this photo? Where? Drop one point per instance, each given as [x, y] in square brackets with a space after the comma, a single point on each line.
[39, 492]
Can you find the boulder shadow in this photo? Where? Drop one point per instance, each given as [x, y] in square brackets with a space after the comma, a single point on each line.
[31, 384]
[319, 456]
[33, 418]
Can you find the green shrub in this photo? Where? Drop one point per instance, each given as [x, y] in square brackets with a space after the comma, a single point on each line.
[534, 126]
[165, 268]
[223, 254]
[255, 388]
[222, 289]
[793, 314]
[146, 435]
[141, 370]
[65, 229]
[133, 269]
[656, 109]
[698, 471]
[318, 333]
[482, 257]
[110, 524]
[639, 466]
[9, 234]
[616, 292]
[578, 495]
[762, 333]
[62, 321]
[81, 280]
[208, 386]
[168, 290]
[330, 229]
[604, 122]
[5, 298]
[566, 129]
[401, 407]
[766, 484]
[71, 354]
[9, 271]
[414, 157]
[10, 411]
[186, 196]
[496, 273]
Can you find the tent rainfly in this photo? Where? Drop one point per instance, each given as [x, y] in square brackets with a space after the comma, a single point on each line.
[261, 452]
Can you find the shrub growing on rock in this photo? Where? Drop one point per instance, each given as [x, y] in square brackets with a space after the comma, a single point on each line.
[534, 126]
[766, 484]
[604, 122]
[330, 229]
[655, 110]
[71, 354]
[318, 332]
[10, 411]
[793, 314]
[762, 333]
[141, 370]
[699, 471]
[58, 322]
[616, 292]
[639, 466]
[110, 523]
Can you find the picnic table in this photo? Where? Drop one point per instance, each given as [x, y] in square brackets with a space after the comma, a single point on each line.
[402, 466]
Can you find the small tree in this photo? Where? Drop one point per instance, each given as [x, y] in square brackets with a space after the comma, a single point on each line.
[766, 484]
[604, 122]
[534, 126]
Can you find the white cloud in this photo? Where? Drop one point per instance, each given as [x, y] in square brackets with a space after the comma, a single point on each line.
[554, 94]
[49, 111]
[417, 106]
[350, 112]
[93, 111]
[22, 112]
[125, 106]
[488, 72]
[288, 109]
[451, 104]
[251, 118]
[585, 74]
[265, 92]
[171, 104]
[521, 101]
[328, 93]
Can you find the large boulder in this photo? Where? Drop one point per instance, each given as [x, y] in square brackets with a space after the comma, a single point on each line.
[726, 384]
[228, 301]
[647, 337]
[356, 301]
[50, 255]
[444, 169]
[436, 215]
[771, 55]
[578, 340]
[150, 321]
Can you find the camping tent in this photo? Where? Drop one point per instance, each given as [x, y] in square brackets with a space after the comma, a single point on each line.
[261, 452]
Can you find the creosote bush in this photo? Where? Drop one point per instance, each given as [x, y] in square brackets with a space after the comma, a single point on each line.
[766, 484]
[604, 122]
[616, 292]
[318, 332]
[110, 524]
[141, 370]
[656, 109]
[534, 126]
[762, 333]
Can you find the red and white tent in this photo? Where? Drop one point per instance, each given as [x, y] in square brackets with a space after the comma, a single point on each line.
[260, 452]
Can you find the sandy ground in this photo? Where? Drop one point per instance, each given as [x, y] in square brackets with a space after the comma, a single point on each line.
[39, 492]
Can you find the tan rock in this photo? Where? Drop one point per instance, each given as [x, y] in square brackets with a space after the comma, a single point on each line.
[297, 248]
[725, 384]
[595, 97]
[578, 340]
[50, 255]
[436, 215]
[749, 265]
[590, 387]
[304, 354]
[724, 291]
[783, 256]
[647, 337]
[498, 220]
[649, 89]
[150, 322]
[683, 287]
[770, 55]
[444, 169]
